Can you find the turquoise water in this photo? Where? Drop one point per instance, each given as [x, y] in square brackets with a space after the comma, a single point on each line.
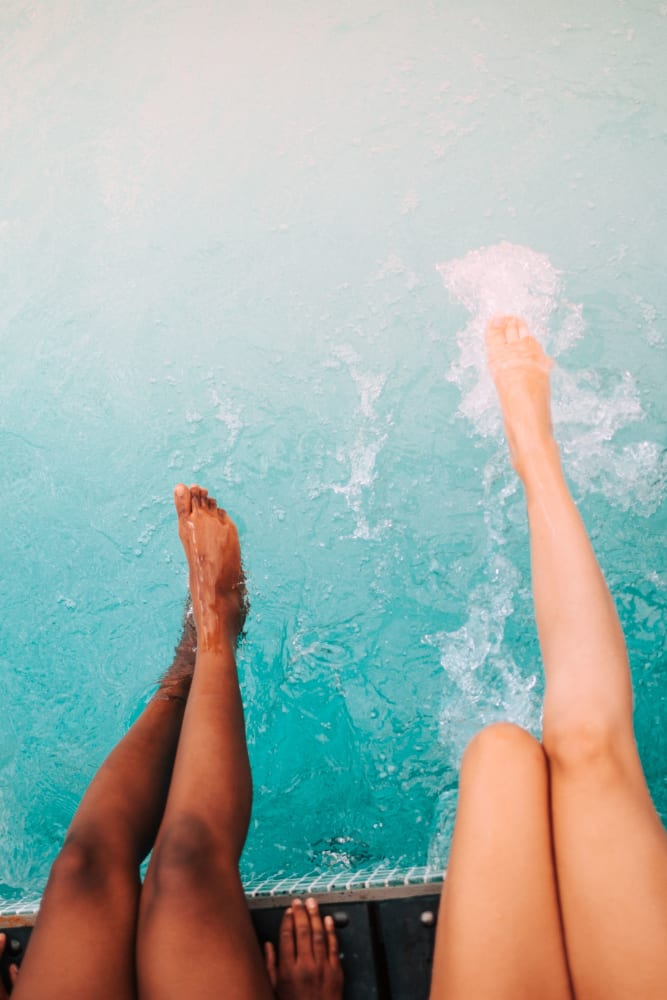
[220, 232]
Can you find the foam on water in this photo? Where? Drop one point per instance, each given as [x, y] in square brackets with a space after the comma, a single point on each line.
[370, 438]
[588, 409]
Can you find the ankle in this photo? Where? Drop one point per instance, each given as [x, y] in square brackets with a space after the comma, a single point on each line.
[220, 621]
[222, 639]
[165, 693]
[539, 467]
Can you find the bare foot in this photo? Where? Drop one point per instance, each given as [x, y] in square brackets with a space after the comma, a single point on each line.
[13, 971]
[217, 585]
[520, 370]
[309, 966]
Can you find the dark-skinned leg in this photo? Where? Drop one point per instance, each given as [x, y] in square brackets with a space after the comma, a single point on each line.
[83, 944]
[193, 878]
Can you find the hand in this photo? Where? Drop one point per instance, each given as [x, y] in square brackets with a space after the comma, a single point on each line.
[13, 971]
[309, 964]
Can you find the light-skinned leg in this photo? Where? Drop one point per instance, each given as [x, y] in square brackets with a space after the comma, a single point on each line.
[499, 933]
[610, 847]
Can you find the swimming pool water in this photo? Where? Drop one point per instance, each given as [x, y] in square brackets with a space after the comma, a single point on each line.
[255, 248]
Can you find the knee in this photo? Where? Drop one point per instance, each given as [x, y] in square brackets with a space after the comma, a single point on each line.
[582, 743]
[501, 747]
[86, 864]
[186, 856]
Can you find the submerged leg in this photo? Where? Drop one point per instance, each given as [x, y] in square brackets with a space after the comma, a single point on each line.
[499, 931]
[610, 848]
[193, 877]
[83, 944]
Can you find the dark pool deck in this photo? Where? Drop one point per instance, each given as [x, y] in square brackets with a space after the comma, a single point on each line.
[386, 936]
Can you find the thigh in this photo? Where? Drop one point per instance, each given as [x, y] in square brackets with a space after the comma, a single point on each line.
[83, 943]
[499, 929]
[196, 937]
[611, 859]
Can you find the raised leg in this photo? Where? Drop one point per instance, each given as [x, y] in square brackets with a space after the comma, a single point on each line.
[83, 944]
[610, 847]
[499, 932]
[193, 886]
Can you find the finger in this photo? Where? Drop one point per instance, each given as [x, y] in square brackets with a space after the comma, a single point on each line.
[271, 964]
[332, 940]
[316, 930]
[13, 974]
[286, 942]
[304, 941]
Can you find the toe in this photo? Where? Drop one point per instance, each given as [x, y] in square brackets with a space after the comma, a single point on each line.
[512, 329]
[182, 500]
[195, 493]
[207, 502]
[495, 335]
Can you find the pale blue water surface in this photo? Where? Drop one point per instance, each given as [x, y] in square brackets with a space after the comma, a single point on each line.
[220, 231]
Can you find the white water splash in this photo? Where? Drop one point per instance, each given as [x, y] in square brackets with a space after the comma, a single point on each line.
[474, 661]
[509, 279]
[229, 413]
[483, 684]
[500, 280]
[369, 440]
[504, 279]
